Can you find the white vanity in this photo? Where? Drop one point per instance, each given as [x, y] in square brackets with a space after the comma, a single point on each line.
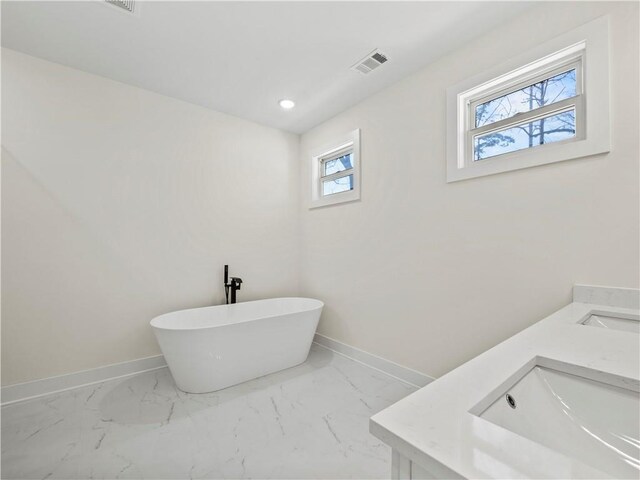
[558, 400]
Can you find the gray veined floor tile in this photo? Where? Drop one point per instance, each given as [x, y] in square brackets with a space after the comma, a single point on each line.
[310, 421]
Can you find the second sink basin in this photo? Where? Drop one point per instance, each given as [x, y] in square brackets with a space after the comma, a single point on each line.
[625, 324]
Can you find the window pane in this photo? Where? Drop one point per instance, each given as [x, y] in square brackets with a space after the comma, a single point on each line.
[551, 90]
[337, 165]
[554, 128]
[337, 185]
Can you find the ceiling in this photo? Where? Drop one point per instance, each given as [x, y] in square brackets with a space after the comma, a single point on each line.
[241, 58]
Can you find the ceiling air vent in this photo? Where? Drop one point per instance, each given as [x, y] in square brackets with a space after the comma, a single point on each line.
[128, 5]
[370, 62]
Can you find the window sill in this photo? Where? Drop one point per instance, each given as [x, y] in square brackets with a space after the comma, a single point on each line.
[540, 155]
[335, 199]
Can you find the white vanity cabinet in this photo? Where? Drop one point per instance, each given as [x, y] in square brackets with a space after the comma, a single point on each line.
[402, 468]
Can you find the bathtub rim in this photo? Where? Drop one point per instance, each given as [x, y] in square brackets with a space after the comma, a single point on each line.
[319, 304]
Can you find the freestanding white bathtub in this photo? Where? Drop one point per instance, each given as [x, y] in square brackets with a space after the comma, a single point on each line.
[211, 348]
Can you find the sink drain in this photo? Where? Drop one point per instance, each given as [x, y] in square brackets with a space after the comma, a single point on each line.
[510, 400]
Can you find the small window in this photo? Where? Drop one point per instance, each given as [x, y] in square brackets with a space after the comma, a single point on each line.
[335, 172]
[534, 109]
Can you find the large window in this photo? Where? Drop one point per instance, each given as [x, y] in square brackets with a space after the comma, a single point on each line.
[534, 109]
[534, 114]
[335, 172]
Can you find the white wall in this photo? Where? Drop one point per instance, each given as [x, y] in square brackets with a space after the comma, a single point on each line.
[119, 204]
[430, 274]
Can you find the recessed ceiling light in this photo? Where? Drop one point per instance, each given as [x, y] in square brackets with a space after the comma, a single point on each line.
[287, 104]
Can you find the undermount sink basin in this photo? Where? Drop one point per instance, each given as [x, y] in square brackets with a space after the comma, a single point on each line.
[594, 422]
[626, 324]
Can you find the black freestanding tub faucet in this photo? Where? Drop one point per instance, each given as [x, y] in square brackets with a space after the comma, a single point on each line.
[231, 286]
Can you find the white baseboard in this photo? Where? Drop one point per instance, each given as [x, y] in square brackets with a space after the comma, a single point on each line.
[609, 296]
[46, 386]
[407, 375]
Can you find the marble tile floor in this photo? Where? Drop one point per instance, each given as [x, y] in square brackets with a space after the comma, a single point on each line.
[309, 421]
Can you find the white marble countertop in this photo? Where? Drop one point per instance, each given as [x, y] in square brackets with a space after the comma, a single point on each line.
[433, 427]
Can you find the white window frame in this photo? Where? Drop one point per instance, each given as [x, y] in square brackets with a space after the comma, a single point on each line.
[586, 50]
[348, 143]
